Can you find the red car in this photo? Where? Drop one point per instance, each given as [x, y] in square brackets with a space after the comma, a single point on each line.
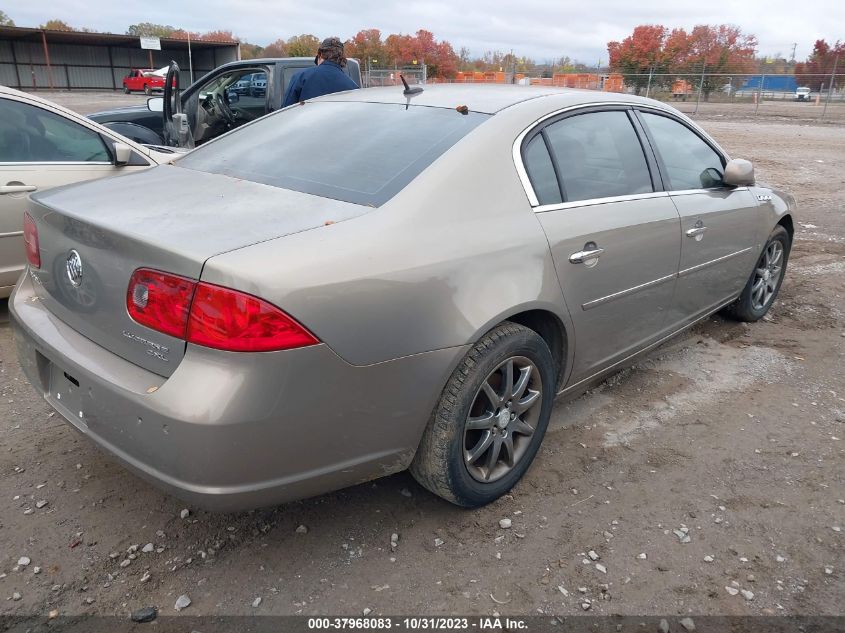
[140, 79]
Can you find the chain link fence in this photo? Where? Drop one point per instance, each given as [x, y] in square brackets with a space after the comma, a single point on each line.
[372, 77]
[805, 96]
[819, 96]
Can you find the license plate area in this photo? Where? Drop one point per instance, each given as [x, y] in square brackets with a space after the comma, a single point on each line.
[66, 395]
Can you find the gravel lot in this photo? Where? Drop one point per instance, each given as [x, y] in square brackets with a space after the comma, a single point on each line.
[716, 464]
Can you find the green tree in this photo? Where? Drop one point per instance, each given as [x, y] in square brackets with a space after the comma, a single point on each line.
[56, 25]
[251, 51]
[148, 29]
[5, 20]
[303, 45]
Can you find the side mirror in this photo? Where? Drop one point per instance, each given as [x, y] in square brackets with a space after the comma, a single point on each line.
[155, 104]
[122, 154]
[739, 173]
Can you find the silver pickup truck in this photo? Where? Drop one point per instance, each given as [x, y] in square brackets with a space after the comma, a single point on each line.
[212, 105]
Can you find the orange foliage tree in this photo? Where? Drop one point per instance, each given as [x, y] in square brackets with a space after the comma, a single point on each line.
[715, 49]
[422, 47]
[366, 46]
[640, 53]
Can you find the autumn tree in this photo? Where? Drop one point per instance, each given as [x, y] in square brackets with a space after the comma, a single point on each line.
[819, 65]
[303, 45]
[56, 25]
[639, 54]
[5, 20]
[713, 49]
[718, 51]
[279, 48]
[367, 47]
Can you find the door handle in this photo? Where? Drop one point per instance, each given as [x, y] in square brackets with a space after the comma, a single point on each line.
[587, 256]
[695, 231]
[17, 188]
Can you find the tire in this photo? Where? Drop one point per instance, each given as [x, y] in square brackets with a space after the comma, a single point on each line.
[753, 303]
[126, 89]
[442, 462]
[147, 90]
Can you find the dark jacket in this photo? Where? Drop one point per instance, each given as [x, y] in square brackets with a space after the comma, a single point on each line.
[324, 79]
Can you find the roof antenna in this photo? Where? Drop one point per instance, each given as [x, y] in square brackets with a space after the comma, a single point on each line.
[409, 92]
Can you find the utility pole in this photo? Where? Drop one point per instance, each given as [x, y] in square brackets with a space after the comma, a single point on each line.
[760, 93]
[832, 82]
[794, 45]
[700, 87]
[190, 58]
[648, 87]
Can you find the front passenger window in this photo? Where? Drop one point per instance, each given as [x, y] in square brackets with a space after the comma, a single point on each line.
[689, 161]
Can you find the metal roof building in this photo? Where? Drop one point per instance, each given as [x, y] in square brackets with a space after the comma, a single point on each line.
[70, 60]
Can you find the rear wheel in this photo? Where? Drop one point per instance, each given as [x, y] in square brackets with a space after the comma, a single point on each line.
[490, 420]
[762, 288]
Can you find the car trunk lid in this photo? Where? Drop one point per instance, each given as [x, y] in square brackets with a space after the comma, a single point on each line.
[93, 236]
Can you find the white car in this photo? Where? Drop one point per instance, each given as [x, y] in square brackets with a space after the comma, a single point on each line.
[802, 94]
[44, 145]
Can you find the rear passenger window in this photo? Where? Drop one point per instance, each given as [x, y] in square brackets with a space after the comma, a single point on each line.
[599, 156]
[685, 155]
[541, 172]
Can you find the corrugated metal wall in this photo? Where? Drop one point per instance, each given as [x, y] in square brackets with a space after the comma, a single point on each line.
[76, 66]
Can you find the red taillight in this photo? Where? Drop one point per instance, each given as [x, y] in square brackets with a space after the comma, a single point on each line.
[30, 240]
[209, 315]
[230, 320]
[160, 301]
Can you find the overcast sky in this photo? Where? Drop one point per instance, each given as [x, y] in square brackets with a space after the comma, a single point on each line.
[542, 29]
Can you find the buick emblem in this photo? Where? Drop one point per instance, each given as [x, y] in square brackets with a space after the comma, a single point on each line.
[74, 268]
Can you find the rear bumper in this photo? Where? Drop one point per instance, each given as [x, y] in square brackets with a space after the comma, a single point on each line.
[233, 431]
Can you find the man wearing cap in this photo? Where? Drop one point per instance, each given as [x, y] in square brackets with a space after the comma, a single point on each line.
[325, 78]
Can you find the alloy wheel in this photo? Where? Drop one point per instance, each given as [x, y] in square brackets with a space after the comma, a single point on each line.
[767, 275]
[502, 419]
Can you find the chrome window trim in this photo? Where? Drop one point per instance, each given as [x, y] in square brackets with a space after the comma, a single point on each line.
[58, 162]
[697, 267]
[529, 188]
[517, 145]
[624, 293]
[691, 192]
[595, 201]
[11, 234]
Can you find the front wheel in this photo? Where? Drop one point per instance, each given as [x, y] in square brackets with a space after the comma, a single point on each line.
[490, 420]
[762, 288]
[125, 89]
[147, 90]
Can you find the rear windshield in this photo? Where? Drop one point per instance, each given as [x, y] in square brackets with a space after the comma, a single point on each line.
[362, 153]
